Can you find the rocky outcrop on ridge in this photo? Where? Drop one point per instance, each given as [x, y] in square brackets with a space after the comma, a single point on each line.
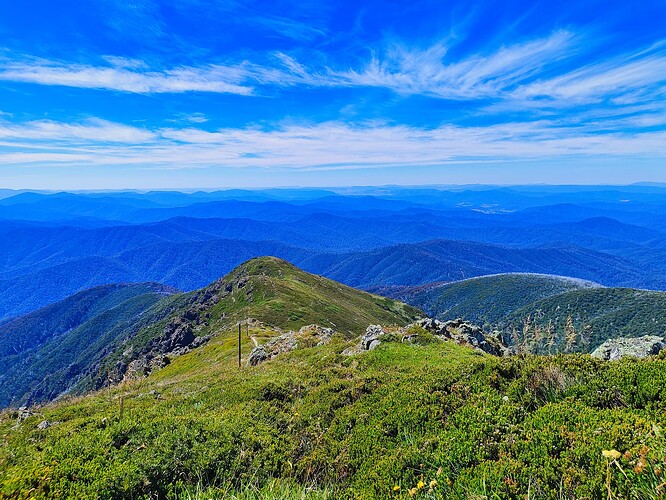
[307, 336]
[458, 331]
[639, 347]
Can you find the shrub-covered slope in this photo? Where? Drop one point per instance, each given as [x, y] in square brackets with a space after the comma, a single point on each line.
[583, 319]
[488, 300]
[545, 314]
[400, 421]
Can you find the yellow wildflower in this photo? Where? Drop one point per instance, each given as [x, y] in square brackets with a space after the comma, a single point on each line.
[433, 483]
[611, 454]
[396, 488]
[413, 492]
[420, 485]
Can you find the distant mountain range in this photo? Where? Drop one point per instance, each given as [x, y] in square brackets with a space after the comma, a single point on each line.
[377, 238]
[191, 264]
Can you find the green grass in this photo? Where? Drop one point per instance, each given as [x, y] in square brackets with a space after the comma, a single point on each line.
[316, 424]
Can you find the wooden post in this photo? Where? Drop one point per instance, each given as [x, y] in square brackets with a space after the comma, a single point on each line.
[239, 344]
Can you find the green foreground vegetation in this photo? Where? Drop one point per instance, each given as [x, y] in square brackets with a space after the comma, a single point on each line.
[423, 421]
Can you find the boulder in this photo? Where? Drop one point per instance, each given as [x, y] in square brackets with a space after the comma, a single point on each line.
[257, 356]
[464, 333]
[307, 336]
[43, 425]
[639, 347]
[23, 413]
[370, 338]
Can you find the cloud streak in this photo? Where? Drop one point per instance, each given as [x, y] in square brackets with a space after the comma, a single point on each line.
[525, 75]
[324, 146]
[127, 78]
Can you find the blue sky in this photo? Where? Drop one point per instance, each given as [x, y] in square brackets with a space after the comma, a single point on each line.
[201, 93]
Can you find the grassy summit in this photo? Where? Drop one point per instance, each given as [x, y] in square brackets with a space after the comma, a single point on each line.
[280, 294]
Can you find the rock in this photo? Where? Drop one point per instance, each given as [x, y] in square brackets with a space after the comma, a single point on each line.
[431, 325]
[315, 335]
[24, 413]
[137, 369]
[178, 333]
[464, 333]
[352, 350]
[370, 338]
[43, 425]
[257, 356]
[456, 330]
[307, 336]
[159, 361]
[639, 347]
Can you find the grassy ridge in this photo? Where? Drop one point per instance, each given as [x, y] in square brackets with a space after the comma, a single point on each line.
[371, 426]
[281, 294]
[85, 336]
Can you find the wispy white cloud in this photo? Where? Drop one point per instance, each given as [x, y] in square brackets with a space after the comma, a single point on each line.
[287, 27]
[628, 78]
[127, 77]
[91, 131]
[536, 74]
[409, 71]
[324, 146]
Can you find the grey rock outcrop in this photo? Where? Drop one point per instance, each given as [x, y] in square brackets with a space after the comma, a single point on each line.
[371, 337]
[307, 336]
[639, 347]
[180, 335]
[457, 330]
[464, 333]
[258, 355]
[23, 413]
[43, 425]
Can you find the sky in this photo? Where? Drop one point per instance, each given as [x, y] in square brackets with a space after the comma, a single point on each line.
[114, 94]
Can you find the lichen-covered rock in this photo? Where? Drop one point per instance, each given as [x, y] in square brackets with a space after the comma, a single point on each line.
[464, 333]
[314, 335]
[257, 356]
[307, 336]
[639, 347]
[370, 338]
[23, 413]
[43, 425]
